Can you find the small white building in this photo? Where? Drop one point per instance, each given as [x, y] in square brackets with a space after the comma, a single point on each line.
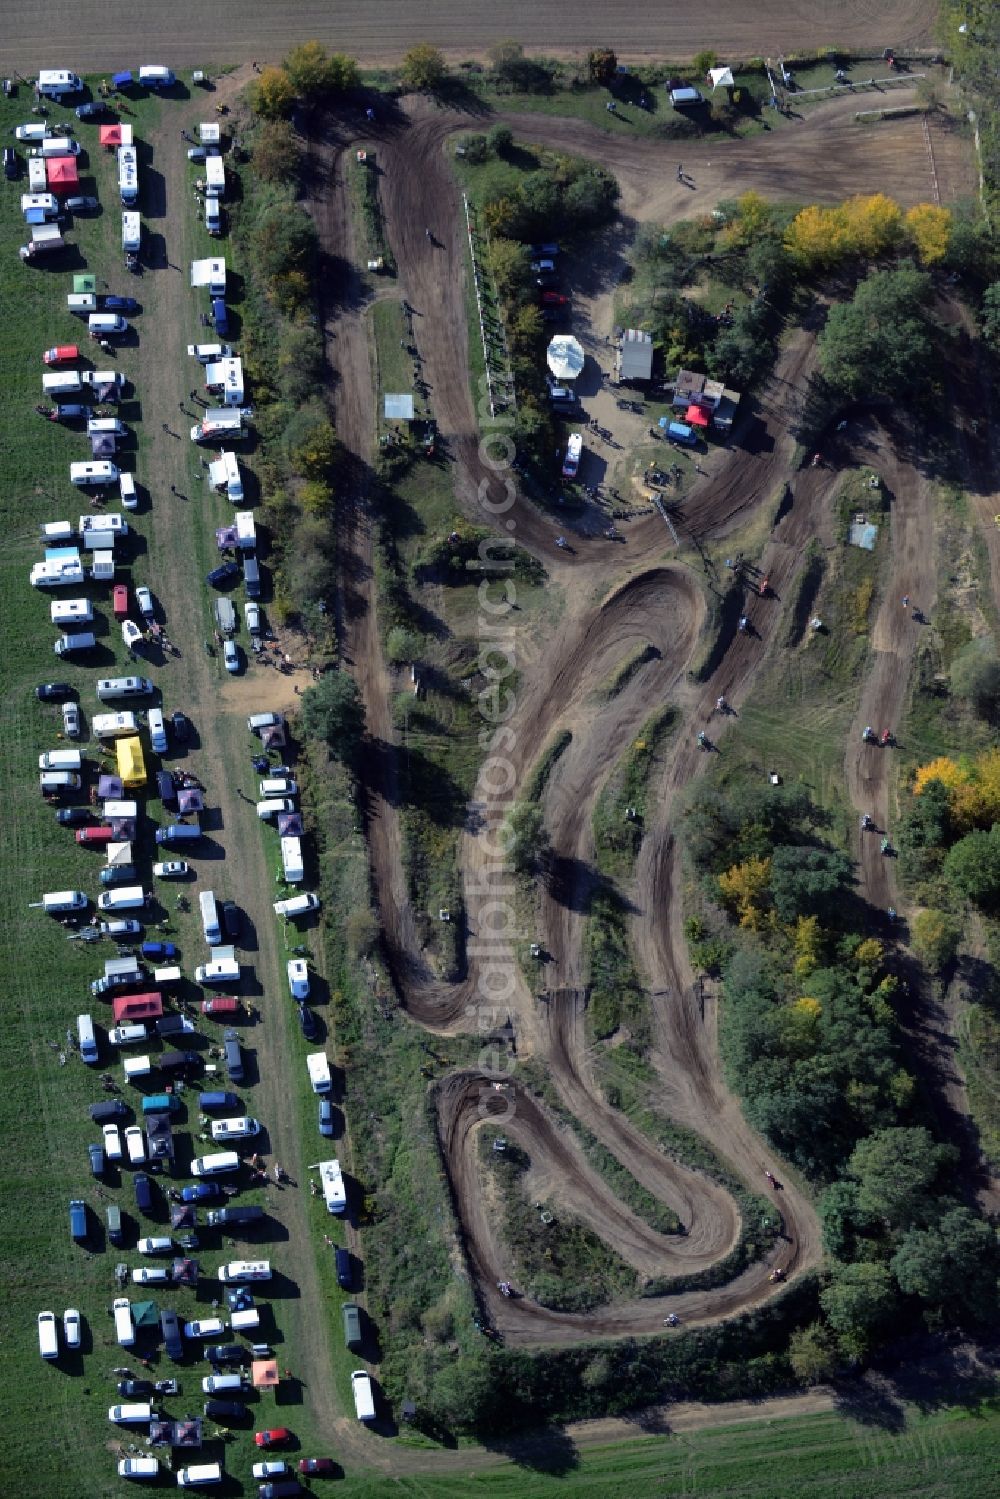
[210, 274]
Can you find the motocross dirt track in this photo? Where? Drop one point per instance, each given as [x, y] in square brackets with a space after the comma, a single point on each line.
[93, 34]
[655, 604]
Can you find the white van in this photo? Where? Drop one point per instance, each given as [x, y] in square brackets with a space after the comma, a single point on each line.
[110, 688]
[218, 1384]
[68, 759]
[157, 730]
[105, 426]
[114, 725]
[258, 721]
[57, 145]
[35, 130]
[245, 1321]
[135, 1414]
[61, 383]
[56, 532]
[242, 1128]
[239, 1271]
[81, 304]
[209, 353]
[318, 1067]
[122, 898]
[48, 1335]
[277, 786]
[156, 77]
[296, 905]
[126, 486]
[56, 83]
[220, 1164]
[86, 1039]
[82, 640]
[213, 216]
[165, 976]
[128, 1035]
[91, 475]
[210, 918]
[55, 901]
[200, 1476]
[59, 780]
[101, 324]
[215, 177]
[124, 1326]
[131, 230]
[364, 1399]
[273, 806]
[219, 971]
[71, 612]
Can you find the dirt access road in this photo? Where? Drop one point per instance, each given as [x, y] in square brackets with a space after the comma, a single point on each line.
[91, 35]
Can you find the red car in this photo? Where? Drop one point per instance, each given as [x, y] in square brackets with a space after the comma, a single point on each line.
[555, 299]
[119, 600]
[98, 834]
[61, 354]
[319, 1465]
[221, 1006]
[277, 1436]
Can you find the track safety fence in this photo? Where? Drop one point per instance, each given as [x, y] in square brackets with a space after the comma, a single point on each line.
[496, 355]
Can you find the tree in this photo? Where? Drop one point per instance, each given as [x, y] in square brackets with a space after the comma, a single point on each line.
[273, 94]
[602, 64]
[945, 772]
[808, 881]
[929, 228]
[859, 1301]
[284, 240]
[424, 68]
[500, 140]
[528, 840]
[880, 342]
[896, 1171]
[276, 153]
[874, 225]
[935, 938]
[332, 710]
[812, 1354]
[989, 318]
[975, 674]
[311, 442]
[314, 74]
[818, 237]
[972, 866]
[842, 1221]
[703, 62]
[403, 644]
[308, 566]
[510, 264]
[744, 889]
[950, 1264]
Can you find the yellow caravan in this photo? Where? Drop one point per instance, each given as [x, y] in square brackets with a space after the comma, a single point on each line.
[131, 766]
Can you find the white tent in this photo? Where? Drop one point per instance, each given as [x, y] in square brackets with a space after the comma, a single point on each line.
[565, 358]
[721, 77]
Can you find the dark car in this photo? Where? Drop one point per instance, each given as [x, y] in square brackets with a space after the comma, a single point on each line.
[309, 1023]
[165, 788]
[170, 1327]
[326, 1117]
[231, 921]
[56, 692]
[73, 817]
[158, 950]
[174, 1061]
[106, 1113]
[181, 726]
[11, 164]
[201, 1192]
[324, 1465]
[143, 1192]
[128, 305]
[224, 573]
[81, 205]
[92, 111]
[226, 1410]
[96, 1153]
[345, 1268]
[135, 1387]
[220, 317]
[225, 1353]
[280, 1488]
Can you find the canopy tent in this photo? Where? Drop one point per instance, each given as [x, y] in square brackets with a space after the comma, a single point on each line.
[565, 358]
[61, 174]
[110, 788]
[399, 408]
[110, 136]
[225, 538]
[210, 133]
[697, 416]
[183, 1215]
[102, 444]
[144, 1314]
[164, 1433]
[290, 825]
[184, 1272]
[131, 766]
[264, 1373]
[84, 285]
[721, 78]
[190, 800]
[274, 737]
[122, 80]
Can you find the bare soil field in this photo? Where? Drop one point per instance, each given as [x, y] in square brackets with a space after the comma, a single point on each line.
[90, 35]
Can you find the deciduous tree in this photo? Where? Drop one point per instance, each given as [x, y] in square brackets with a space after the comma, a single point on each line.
[424, 68]
[859, 1301]
[602, 65]
[273, 94]
[812, 1353]
[950, 1264]
[929, 228]
[896, 1171]
[332, 710]
[880, 342]
[276, 152]
[935, 938]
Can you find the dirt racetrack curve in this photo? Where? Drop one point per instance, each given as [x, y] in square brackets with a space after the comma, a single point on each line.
[94, 35]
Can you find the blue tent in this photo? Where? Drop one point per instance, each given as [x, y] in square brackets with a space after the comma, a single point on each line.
[122, 80]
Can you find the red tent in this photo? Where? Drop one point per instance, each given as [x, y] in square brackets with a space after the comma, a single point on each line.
[110, 136]
[697, 416]
[61, 174]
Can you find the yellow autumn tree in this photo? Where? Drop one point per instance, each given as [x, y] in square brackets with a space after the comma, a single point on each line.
[808, 941]
[744, 889]
[929, 228]
[818, 237]
[874, 224]
[870, 953]
[800, 1022]
[752, 219]
[273, 94]
[947, 771]
[976, 804]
